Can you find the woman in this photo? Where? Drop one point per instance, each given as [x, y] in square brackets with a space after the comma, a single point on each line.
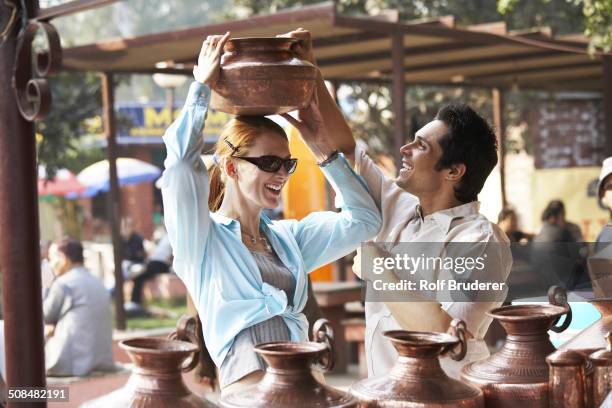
[247, 275]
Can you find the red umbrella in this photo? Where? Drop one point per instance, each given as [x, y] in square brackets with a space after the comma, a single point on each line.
[63, 183]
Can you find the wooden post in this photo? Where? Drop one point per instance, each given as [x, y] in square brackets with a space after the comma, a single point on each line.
[108, 102]
[607, 103]
[398, 96]
[500, 129]
[19, 244]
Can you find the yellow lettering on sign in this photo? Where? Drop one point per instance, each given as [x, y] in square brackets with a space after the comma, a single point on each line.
[153, 119]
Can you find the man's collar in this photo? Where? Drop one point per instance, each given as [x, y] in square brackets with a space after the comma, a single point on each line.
[445, 217]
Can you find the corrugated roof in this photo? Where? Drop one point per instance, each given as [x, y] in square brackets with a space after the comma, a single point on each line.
[347, 47]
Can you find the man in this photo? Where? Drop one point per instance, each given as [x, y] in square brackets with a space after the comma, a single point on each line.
[78, 307]
[434, 199]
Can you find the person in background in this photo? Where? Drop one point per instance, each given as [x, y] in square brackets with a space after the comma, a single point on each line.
[134, 253]
[77, 306]
[159, 262]
[604, 192]
[46, 272]
[565, 259]
[555, 228]
[507, 220]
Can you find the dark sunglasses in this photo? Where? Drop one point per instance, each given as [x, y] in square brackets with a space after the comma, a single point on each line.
[271, 164]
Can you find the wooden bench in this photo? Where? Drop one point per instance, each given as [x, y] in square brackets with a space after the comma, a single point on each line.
[354, 332]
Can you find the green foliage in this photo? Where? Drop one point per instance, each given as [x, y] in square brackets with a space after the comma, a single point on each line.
[76, 98]
[172, 310]
[596, 17]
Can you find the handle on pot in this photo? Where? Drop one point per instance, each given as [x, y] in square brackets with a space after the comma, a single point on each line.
[322, 332]
[558, 296]
[187, 330]
[458, 329]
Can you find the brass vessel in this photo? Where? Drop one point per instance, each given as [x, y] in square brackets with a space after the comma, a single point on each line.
[602, 372]
[156, 380]
[567, 386]
[288, 381]
[417, 379]
[263, 76]
[517, 375]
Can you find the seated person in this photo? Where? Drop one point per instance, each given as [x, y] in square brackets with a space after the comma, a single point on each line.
[159, 262]
[78, 306]
[507, 220]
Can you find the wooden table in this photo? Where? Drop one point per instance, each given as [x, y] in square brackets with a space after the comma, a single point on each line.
[332, 297]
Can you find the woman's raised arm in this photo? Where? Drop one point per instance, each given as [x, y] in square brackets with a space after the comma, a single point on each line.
[185, 179]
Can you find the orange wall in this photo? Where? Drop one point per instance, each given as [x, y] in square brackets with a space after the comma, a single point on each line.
[305, 192]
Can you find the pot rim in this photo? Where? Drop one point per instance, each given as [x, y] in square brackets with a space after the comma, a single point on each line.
[421, 338]
[547, 310]
[273, 40]
[291, 348]
[181, 346]
[601, 299]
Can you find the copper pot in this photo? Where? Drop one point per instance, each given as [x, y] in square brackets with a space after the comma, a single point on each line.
[263, 76]
[288, 381]
[417, 379]
[592, 338]
[517, 375]
[567, 386]
[602, 372]
[156, 380]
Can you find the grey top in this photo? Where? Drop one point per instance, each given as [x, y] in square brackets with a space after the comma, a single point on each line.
[79, 306]
[241, 358]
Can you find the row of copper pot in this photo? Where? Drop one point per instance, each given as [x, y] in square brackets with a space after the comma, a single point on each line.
[525, 372]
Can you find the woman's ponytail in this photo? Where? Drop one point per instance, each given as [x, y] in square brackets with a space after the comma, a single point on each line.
[217, 187]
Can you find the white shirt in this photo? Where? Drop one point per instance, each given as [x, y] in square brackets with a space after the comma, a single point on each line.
[402, 222]
[162, 251]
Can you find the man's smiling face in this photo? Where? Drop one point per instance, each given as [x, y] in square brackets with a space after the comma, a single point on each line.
[418, 174]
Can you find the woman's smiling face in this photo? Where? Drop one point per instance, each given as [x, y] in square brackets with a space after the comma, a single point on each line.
[262, 188]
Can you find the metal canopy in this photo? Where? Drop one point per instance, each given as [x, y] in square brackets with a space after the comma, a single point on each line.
[360, 48]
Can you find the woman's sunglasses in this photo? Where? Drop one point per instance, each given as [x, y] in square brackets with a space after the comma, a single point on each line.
[269, 164]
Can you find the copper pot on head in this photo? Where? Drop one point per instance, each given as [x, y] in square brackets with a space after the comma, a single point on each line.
[517, 375]
[288, 380]
[263, 76]
[417, 379]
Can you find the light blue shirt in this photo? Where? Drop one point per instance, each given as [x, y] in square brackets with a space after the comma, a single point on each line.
[217, 268]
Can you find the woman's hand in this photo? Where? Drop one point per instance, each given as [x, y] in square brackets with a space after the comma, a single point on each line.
[209, 60]
[312, 128]
[303, 48]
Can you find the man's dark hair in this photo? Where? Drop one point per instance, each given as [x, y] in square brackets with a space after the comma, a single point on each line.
[471, 141]
[72, 248]
[554, 209]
